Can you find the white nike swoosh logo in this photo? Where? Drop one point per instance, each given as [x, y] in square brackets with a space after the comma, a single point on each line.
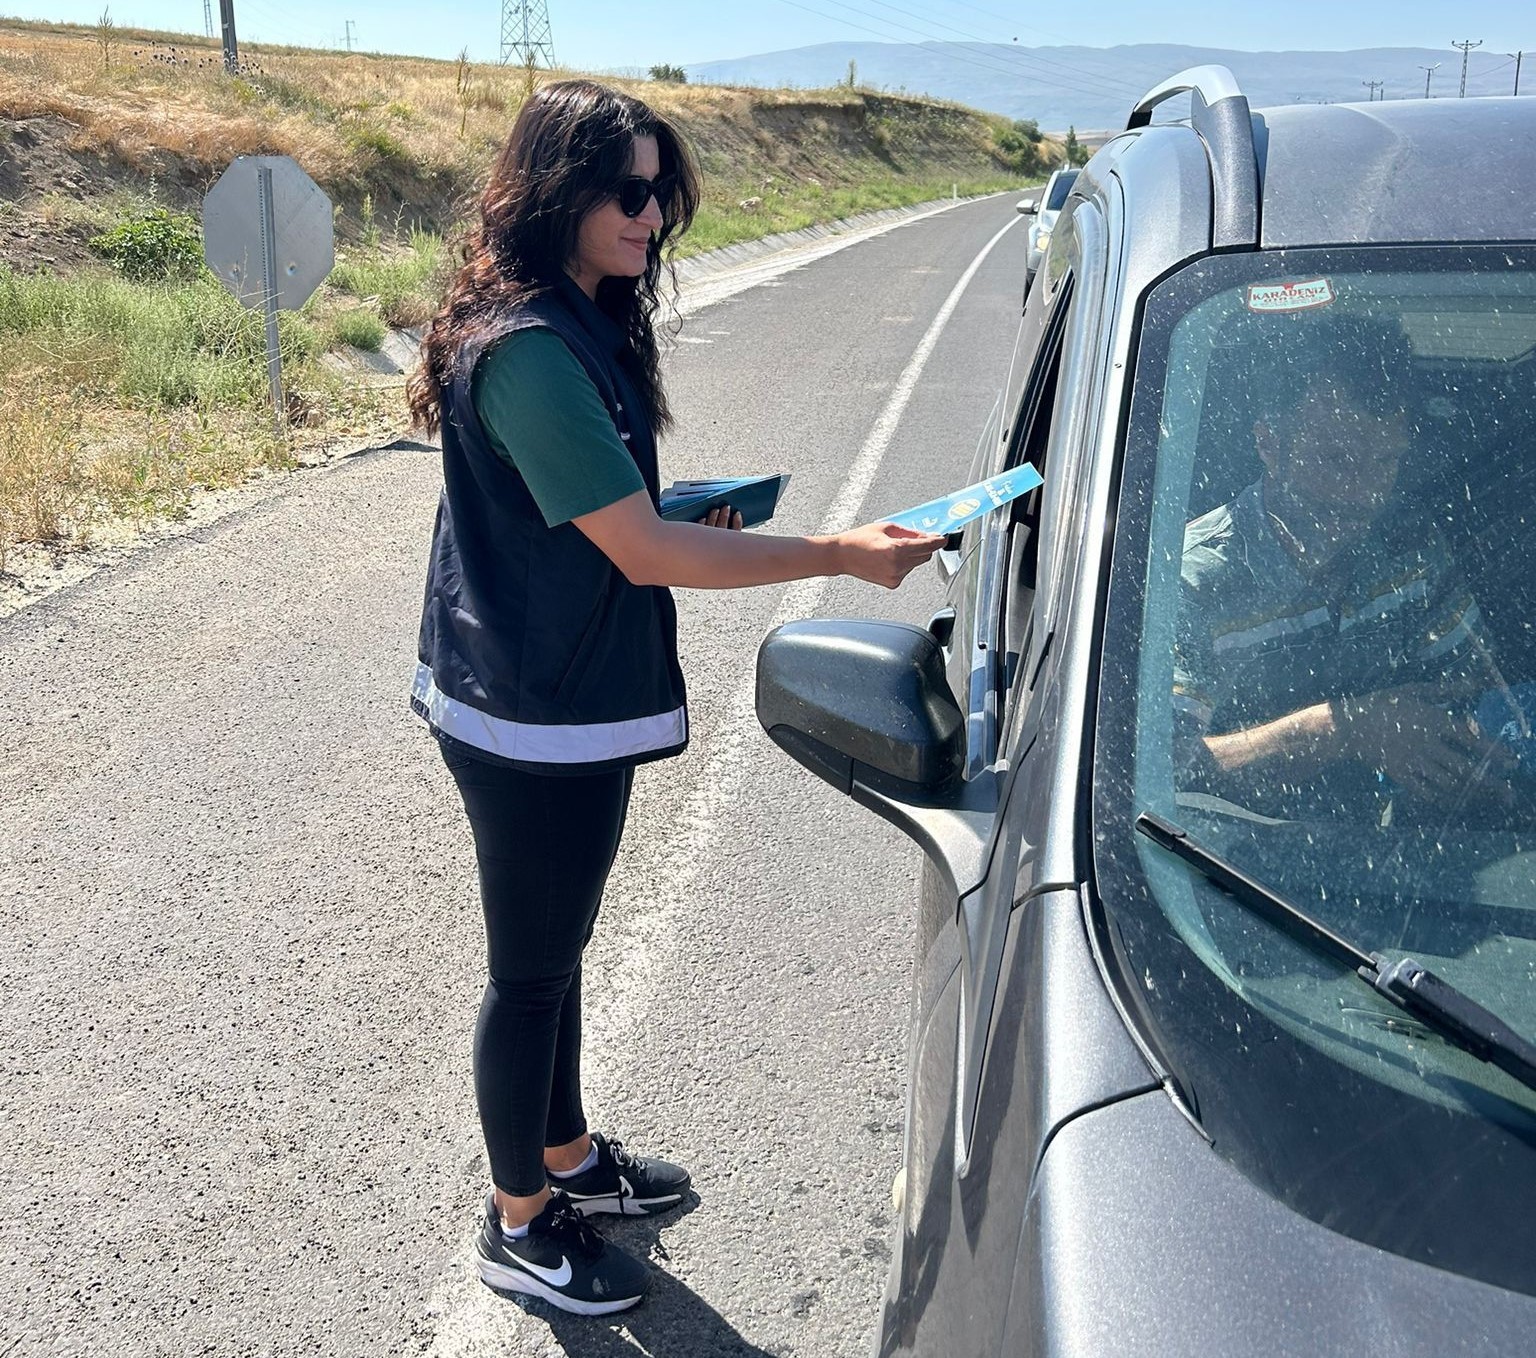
[555, 1277]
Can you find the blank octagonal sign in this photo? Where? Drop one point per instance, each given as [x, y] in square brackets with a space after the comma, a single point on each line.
[304, 236]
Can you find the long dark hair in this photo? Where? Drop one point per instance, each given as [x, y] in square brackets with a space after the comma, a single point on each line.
[571, 144]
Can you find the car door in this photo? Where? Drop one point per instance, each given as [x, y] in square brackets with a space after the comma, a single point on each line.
[978, 669]
[961, 1212]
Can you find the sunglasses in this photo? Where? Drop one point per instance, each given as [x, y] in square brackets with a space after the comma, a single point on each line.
[633, 193]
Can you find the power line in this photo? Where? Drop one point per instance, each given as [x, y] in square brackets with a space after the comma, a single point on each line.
[943, 49]
[281, 27]
[983, 60]
[1108, 84]
[940, 49]
[1014, 23]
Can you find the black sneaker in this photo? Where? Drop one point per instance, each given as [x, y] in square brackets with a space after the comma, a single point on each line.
[624, 1183]
[562, 1260]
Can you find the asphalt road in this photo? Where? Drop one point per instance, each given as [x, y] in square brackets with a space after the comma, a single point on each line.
[239, 937]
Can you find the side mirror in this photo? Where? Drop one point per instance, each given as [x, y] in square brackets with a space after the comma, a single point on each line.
[865, 700]
[866, 706]
[1027, 207]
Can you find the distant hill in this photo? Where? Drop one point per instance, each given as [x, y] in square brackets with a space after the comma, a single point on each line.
[1093, 88]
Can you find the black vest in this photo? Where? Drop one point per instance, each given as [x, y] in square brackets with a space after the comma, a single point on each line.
[535, 650]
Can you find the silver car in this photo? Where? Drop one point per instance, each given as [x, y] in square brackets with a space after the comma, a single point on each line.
[1044, 209]
[1222, 759]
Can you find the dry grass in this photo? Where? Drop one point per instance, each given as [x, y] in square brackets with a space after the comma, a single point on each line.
[41, 486]
[71, 471]
[418, 135]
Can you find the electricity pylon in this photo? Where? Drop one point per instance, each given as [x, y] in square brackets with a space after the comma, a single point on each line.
[525, 36]
[1466, 51]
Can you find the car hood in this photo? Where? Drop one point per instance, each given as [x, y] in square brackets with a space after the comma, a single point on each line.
[1140, 1240]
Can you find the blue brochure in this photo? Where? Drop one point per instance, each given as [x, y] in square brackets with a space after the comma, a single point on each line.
[956, 510]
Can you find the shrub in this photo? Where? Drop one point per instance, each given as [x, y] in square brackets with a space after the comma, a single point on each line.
[1018, 147]
[405, 286]
[671, 75]
[151, 248]
[361, 329]
[365, 137]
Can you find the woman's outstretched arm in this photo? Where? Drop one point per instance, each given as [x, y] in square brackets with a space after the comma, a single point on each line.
[651, 550]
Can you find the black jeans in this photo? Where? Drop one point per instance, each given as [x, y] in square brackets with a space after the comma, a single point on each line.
[544, 846]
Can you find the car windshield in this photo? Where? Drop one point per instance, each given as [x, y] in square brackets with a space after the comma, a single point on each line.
[1321, 661]
[1061, 186]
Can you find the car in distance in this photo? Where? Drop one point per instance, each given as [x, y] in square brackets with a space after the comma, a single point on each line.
[1044, 209]
[1221, 760]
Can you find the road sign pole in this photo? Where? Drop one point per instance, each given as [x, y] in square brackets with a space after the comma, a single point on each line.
[269, 299]
[269, 237]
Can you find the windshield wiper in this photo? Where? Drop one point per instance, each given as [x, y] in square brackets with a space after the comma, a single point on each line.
[1432, 1000]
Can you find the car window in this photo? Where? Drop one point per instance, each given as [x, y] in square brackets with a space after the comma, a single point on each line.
[1061, 186]
[1029, 443]
[1321, 662]
[1047, 521]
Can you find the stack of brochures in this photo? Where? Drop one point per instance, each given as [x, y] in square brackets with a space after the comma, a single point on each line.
[753, 497]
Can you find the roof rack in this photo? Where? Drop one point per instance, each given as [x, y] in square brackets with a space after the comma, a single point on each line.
[1219, 114]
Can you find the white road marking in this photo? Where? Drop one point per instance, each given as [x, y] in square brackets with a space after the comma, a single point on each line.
[703, 292]
[665, 877]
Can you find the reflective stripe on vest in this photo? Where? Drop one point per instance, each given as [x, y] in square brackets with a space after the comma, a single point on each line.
[528, 743]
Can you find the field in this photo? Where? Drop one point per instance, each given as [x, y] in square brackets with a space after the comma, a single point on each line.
[129, 380]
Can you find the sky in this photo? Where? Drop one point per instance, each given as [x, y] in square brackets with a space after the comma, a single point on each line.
[621, 35]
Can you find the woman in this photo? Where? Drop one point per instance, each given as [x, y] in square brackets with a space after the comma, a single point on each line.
[548, 661]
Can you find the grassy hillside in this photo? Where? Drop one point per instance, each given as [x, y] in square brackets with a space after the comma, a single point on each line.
[128, 378]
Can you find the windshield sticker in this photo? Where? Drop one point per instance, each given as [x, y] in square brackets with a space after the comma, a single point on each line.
[1298, 296]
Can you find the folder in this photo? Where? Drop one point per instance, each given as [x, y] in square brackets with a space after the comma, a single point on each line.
[755, 497]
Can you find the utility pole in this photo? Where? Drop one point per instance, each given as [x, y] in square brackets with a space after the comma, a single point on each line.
[207, 18]
[1516, 56]
[1466, 51]
[349, 34]
[231, 47]
[1429, 71]
[525, 36]
[1374, 85]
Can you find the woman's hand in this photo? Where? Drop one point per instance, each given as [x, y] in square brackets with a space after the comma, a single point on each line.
[885, 553]
[653, 551]
[722, 516]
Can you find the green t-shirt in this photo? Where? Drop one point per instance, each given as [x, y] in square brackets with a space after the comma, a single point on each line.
[544, 416]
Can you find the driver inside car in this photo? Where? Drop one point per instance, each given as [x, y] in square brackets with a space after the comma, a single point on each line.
[1329, 656]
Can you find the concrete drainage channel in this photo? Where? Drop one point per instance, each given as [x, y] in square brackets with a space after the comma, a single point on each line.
[397, 354]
